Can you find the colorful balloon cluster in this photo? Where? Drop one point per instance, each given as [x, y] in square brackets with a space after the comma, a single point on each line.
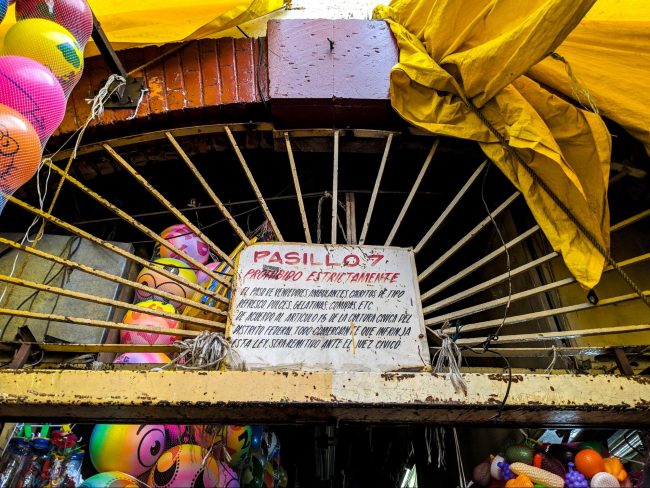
[41, 60]
[536, 465]
[179, 456]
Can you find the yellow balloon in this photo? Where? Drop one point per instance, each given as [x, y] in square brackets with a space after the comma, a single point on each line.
[50, 44]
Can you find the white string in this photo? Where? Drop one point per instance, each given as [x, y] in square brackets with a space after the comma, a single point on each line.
[550, 367]
[461, 471]
[448, 359]
[143, 91]
[440, 443]
[210, 350]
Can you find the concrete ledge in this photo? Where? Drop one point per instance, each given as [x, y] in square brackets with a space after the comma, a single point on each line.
[259, 396]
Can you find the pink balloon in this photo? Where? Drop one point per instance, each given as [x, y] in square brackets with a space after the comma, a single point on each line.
[32, 90]
[74, 15]
[203, 278]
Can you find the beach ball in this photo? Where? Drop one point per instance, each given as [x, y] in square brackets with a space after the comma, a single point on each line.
[50, 44]
[238, 443]
[589, 462]
[110, 479]
[142, 358]
[131, 449]
[140, 318]
[153, 279]
[182, 467]
[181, 237]
[20, 149]
[30, 89]
[74, 15]
[227, 477]
[179, 434]
[201, 277]
[3, 9]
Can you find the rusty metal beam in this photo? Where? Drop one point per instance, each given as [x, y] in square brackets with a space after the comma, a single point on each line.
[265, 396]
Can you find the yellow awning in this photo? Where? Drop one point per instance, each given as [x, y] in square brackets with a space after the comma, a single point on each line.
[135, 23]
[481, 49]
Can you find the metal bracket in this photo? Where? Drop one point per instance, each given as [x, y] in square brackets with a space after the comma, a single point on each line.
[128, 95]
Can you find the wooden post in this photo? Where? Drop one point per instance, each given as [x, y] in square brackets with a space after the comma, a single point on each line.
[375, 189]
[296, 184]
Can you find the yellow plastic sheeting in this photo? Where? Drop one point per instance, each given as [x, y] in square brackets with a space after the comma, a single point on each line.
[481, 50]
[134, 23]
[609, 55]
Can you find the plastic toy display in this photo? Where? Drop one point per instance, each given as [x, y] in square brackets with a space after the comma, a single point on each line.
[139, 318]
[153, 279]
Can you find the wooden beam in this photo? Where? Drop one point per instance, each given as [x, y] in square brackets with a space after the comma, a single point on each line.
[267, 397]
[375, 189]
[335, 187]
[411, 195]
[296, 184]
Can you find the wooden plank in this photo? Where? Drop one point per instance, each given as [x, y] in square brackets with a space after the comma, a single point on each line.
[445, 213]
[267, 397]
[335, 187]
[375, 189]
[172, 209]
[517, 319]
[253, 183]
[622, 362]
[296, 184]
[555, 336]
[468, 237]
[412, 193]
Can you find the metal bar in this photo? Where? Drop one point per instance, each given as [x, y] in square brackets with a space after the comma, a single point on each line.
[412, 193]
[168, 205]
[270, 397]
[106, 50]
[360, 133]
[141, 227]
[536, 352]
[296, 184]
[110, 277]
[95, 348]
[436, 264]
[490, 283]
[117, 250]
[335, 186]
[375, 190]
[630, 221]
[449, 208]
[517, 319]
[350, 218]
[556, 336]
[217, 201]
[441, 319]
[99, 323]
[202, 323]
[253, 184]
[481, 262]
[160, 135]
[518, 296]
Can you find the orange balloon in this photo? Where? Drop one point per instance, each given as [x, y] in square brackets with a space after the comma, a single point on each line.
[589, 462]
[20, 149]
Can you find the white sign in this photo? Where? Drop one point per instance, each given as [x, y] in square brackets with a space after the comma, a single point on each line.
[326, 307]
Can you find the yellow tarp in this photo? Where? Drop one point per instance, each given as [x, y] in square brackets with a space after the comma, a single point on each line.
[133, 23]
[482, 48]
[609, 54]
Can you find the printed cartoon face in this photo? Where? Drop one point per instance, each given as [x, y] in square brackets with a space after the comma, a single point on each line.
[182, 466]
[153, 279]
[181, 237]
[131, 449]
[140, 318]
[20, 149]
[111, 479]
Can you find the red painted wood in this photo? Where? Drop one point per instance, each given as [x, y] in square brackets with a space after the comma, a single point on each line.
[226, 59]
[245, 70]
[193, 79]
[208, 56]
